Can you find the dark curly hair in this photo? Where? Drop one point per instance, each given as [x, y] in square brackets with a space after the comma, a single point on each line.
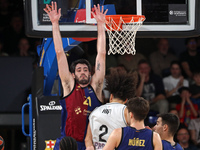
[68, 143]
[121, 84]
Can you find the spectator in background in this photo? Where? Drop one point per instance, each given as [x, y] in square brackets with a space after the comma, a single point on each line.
[186, 109]
[24, 49]
[183, 138]
[173, 111]
[13, 33]
[190, 59]
[160, 60]
[173, 82]
[2, 53]
[177, 45]
[5, 14]
[194, 128]
[129, 61]
[151, 88]
[195, 88]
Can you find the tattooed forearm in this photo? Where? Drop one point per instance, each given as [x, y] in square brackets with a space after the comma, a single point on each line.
[98, 66]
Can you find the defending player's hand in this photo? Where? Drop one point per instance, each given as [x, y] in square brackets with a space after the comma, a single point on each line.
[53, 13]
[99, 15]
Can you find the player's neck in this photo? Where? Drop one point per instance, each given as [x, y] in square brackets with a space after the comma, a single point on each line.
[83, 85]
[169, 139]
[115, 100]
[137, 124]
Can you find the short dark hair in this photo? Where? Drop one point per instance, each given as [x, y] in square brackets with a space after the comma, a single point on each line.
[68, 143]
[79, 61]
[196, 72]
[175, 62]
[139, 107]
[121, 84]
[160, 39]
[187, 40]
[143, 61]
[171, 120]
[184, 89]
[183, 127]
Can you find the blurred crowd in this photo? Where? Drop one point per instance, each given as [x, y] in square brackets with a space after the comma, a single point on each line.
[168, 69]
[13, 40]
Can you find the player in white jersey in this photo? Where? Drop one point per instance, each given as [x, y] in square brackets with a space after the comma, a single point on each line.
[104, 119]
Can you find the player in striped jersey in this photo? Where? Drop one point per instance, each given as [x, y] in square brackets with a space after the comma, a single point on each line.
[82, 92]
[166, 126]
[135, 136]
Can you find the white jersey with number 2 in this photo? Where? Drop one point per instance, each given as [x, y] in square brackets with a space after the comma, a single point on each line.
[103, 120]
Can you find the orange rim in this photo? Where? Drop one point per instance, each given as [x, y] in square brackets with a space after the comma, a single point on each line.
[126, 18]
[84, 39]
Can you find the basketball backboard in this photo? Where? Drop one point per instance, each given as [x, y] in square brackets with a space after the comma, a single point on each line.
[164, 18]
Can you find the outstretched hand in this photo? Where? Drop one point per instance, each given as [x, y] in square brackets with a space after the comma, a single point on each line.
[99, 15]
[54, 15]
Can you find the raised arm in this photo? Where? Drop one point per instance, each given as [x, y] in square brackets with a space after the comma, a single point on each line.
[179, 85]
[141, 85]
[194, 111]
[98, 77]
[186, 68]
[63, 67]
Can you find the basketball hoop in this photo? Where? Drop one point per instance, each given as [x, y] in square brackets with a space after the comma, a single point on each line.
[122, 31]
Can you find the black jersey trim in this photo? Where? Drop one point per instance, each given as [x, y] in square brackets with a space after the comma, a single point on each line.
[71, 91]
[121, 139]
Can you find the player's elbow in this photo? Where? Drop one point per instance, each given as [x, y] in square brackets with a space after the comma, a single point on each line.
[102, 52]
[58, 50]
[88, 141]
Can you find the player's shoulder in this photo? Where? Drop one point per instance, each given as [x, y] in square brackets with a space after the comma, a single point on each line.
[167, 146]
[155, 134]
[156, 137]
[99, 109]
[117, 132]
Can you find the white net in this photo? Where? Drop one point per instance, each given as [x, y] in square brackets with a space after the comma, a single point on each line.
[122, 35]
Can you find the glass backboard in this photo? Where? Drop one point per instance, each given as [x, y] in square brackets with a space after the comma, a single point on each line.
[164, 18]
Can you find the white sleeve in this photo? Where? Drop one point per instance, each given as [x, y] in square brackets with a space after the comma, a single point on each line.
[185, 83]
[165, 83]
[123, 115]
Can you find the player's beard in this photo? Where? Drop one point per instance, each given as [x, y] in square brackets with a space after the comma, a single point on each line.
[82, 81]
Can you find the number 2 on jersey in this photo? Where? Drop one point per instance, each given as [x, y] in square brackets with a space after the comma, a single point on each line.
[105, 129]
